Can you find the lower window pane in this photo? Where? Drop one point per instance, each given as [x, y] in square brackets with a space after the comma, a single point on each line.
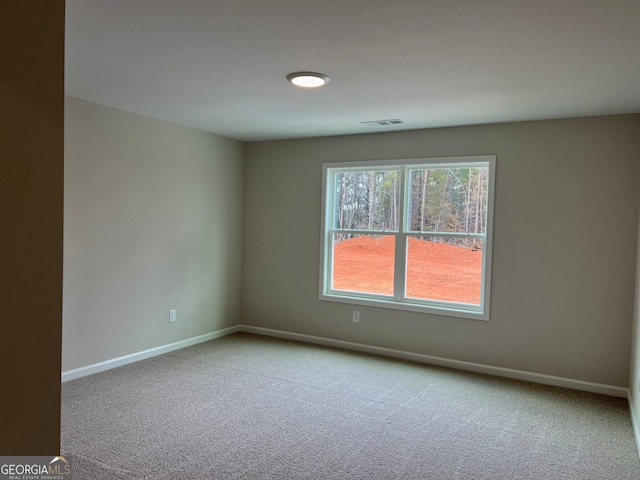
[363, 263]
[446, 269]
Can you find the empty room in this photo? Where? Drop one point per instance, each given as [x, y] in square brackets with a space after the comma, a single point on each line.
[291, 240]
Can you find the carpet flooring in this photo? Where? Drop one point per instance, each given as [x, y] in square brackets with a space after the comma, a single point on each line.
[253, 407]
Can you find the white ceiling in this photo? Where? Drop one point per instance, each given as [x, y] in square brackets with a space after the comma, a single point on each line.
[220, 65]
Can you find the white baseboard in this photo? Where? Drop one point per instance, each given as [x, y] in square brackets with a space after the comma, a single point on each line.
[360, 347]
[634, 422]
[446, 362]
[152, 352]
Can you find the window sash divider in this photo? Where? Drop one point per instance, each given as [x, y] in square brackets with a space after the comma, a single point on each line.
[363, 232]
[446, 234]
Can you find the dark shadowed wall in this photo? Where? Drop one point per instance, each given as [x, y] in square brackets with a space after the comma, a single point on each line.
[31, 216]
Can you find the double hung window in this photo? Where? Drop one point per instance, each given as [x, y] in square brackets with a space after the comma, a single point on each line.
[409, 234]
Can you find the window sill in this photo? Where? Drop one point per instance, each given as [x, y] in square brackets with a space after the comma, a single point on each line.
[448, 311]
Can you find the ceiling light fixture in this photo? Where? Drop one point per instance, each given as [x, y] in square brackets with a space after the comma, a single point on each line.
[308, 79]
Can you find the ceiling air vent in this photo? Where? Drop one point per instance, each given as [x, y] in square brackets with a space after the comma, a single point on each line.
[384, 123]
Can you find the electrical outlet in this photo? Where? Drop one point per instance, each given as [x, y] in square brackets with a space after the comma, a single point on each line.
[356, 316]
[172, 315]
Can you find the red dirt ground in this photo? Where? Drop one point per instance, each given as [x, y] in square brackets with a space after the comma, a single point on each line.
[435, 271]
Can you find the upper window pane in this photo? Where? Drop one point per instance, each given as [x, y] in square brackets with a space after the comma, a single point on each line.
[367, 200]
[448, 200]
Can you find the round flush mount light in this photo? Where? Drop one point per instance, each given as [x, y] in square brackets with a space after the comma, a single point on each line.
[308, 79]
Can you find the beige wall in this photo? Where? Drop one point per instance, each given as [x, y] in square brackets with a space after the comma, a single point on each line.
[153, 222]
[566, 219]
[31, 208]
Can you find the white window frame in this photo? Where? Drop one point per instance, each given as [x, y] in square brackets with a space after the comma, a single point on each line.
[398, 301]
